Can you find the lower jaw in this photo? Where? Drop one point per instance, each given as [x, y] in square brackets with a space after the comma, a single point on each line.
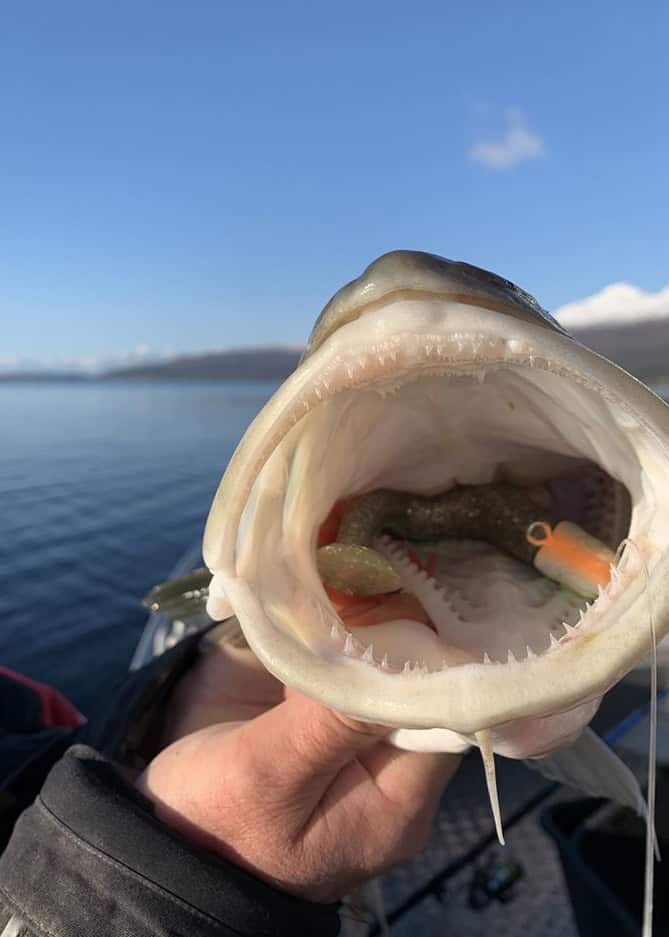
[541, 736]
[525, 738]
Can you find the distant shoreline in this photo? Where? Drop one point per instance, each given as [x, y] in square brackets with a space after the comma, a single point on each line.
[642, 348]
[250, 364]
[95, 379]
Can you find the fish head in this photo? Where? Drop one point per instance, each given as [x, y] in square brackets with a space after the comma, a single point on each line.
[420, 375]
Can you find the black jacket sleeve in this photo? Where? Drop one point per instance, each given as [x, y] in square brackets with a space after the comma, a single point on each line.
[90, 859]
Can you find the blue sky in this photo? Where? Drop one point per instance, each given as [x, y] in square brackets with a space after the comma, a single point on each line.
[189, 175]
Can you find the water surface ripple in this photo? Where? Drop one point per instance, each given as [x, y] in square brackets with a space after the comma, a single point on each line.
[102, 488]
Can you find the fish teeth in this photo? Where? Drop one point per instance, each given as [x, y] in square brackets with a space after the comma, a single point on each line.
[554, 641]
[510, 658]
[406, 670]
[368, 656]
[486, 658]
[384, 663]
[335, 632]
[530, 653]
[348, 645]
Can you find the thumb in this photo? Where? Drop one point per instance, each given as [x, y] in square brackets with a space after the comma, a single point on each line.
[308, 742]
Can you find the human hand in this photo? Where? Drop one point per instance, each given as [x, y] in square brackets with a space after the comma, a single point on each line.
[305, 798]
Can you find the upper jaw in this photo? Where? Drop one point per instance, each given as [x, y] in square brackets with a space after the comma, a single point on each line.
[394, 345]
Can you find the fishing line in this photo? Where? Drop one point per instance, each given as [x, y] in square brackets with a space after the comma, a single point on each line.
[652, 849]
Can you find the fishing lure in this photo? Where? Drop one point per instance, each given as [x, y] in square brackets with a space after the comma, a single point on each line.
[501, 515]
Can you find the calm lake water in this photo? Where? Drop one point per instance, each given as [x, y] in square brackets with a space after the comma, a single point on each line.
[102, 488]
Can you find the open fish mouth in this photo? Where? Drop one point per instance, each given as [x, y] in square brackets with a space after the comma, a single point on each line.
[480, 604]
[423, 390]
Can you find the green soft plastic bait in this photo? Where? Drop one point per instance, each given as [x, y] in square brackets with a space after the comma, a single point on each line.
[499, 514]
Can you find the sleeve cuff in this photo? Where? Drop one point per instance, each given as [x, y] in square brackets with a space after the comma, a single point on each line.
[89, 857]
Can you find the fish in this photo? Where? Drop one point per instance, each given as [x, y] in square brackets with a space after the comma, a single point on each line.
[421, 375]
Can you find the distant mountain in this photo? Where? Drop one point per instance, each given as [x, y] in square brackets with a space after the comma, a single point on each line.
[244, 364]
[641, 348]
[31, 376]
[625, 324]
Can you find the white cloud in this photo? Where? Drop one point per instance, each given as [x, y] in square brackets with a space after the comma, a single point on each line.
[616, 304]
[517, 144]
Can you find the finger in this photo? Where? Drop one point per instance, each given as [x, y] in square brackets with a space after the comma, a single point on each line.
[228, 672]
[412, 785]
[410, 779]
[309, 742]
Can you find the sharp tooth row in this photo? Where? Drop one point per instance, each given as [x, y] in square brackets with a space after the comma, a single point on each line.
[348, 645]
[351, 647]
[426, 588]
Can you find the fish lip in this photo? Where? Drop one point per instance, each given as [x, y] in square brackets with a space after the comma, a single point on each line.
[417, 274]
[559, 679]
